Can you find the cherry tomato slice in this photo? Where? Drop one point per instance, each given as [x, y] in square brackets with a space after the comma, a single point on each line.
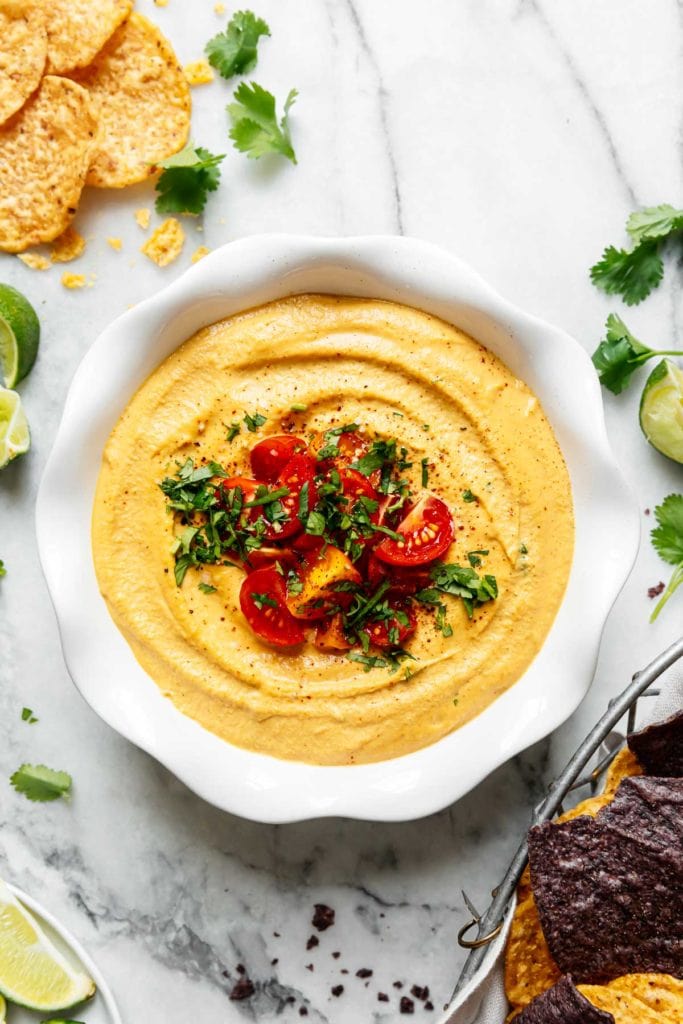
[354, 486]
[248, 487]
[427, 531]
[269, 457]
[392, 632]
[299, 471]
[329, 636]
[262, 600]
[265, 555]
[404, 581]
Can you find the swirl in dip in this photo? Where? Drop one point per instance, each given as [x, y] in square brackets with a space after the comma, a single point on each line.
[398, 373]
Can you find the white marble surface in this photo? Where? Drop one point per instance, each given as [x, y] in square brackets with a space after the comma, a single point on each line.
[516, 133]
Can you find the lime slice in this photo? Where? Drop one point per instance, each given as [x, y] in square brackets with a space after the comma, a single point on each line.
[15, 438]
[33, 973]
[661, 410]
[19, 335]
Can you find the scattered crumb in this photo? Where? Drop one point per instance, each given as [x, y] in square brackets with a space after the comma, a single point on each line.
[303, 1012]
[165, 244]
[34, 261]
[67, 247]
[241, 969]
[199, 72]
[200, 253]
[419, 992]
[219, 8]
[429, 1005]
[655, 591]
[647, 511]
[336, 955]
[337, 990]
[243, 989]
[398, 984]
[142, 217]
[115, 243]
[313, 941]
[364, 972]
[323, 918]
[310, 967]
[382, 997]
[406, 1005]
[73, 280]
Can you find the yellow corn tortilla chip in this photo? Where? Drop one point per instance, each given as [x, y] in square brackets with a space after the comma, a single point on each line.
[35, 261]
[45, 152]
[67, 247]
[624, 1007]
[78, 29]
[23, 49]
[660, 992]
[529, 966]
[166, 243]
[143, 101]
[73, 280]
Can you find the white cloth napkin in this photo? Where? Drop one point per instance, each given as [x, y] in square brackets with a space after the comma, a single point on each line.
[483, 1001]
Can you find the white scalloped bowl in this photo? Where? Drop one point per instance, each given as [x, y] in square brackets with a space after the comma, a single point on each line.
[247, 273]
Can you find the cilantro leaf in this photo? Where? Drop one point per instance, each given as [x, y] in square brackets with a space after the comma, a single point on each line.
[254, 422]
[667, 539]
[654, 222]
[261, 600]
[619, 355]
[235, 51]
[206, 588]
[39, 783]
[28, 716]
[633, 275]
[3, 570]
[187, 179]
[255, 129]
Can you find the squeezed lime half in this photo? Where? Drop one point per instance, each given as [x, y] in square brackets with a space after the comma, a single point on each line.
[661, 410]
[19, 336]
[15, 438]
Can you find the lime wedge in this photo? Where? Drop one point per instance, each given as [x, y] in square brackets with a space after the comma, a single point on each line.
[15, 438]
[33, 972]
[19, 336]
[661, 410]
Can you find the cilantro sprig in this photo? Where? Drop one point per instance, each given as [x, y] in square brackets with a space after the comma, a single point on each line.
[667, 540]
[634, 273]
[235, 51]
[187, 179]
[619, 355]
[255, 128]
[458, 581]
[41, 784]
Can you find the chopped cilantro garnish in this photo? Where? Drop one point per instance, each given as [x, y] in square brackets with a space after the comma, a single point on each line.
[523, 549]
[255, 128]
[254, 422]
[3, 570]
[206, 588]
[298, 407]
[265, 497]
[235, 51]
[474, 557]
[425, 472]
[28, 716]
[303, 503]
[468, 496]
[459, 581]
[233, 431]
[260, 600]
[315, 524]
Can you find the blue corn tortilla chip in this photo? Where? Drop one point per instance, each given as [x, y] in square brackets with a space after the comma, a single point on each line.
[659, 747]
[609, 889]
[562, 1004]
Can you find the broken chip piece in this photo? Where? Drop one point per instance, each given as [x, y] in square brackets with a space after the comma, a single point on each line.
[166, 243]
[45, 152]
[659, 747]
[563, 1004]
[143, 101]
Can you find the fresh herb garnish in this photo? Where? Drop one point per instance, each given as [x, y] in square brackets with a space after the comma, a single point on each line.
[28, 716]
[303, 503]
[260, 600]
[458, 581]
[468, 496]
[235, 51]
[425, 472]
[254, 422]
[634, 273]
[315, 524]
[255, 129]
[41, 784]
[619, 355]
[667, 539]
[233, 431]
[265, 497]
[474, 557]
[389, 659]
[206, 588]
[298, 407]
[3, 570]
[187, 179]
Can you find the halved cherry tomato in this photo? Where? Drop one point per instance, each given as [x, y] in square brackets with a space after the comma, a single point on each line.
[269, 556]
[319, 578]
[391, 632]
[248, 487]
[404, 581]
[263, 601]
[350, 448]
[354, 486]
[427, 532]
[299, 471]
[330, 637]
[270, 456]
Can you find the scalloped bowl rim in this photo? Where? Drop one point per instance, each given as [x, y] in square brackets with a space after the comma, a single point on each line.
[244, 274]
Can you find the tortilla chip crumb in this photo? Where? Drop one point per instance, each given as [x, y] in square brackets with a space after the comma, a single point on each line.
[199, 72]
[73, 280]
[115, 243]
[165, 244]
[67, 247]
[219, 8]
[142, 217]
[199, 254]
[34, 261]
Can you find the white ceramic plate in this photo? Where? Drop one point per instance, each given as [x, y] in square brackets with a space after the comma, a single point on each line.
[100, 1010]
[245, 274]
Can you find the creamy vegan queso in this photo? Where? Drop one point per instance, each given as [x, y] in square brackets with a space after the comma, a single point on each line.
[308, 364]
